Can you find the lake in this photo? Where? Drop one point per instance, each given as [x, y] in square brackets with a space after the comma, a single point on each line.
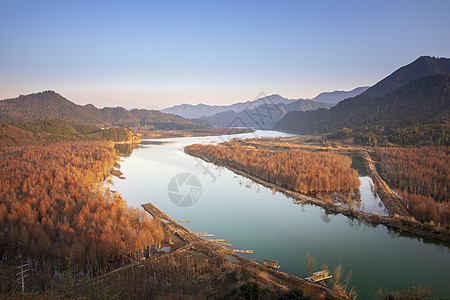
[251, 216]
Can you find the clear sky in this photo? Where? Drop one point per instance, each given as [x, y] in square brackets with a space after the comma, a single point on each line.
[158, 54]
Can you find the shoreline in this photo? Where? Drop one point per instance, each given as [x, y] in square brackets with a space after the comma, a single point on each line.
[193, 242]
[404, 224]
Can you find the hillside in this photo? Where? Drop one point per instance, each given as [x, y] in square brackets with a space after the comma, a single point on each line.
[51, 105]
[337, 96]
[41, 132]
[422, 105]
[423, 66]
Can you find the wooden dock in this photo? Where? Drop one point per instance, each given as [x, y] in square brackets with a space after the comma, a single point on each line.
[225, 244]
[243, 251]
[182, 221]
[218, 240]
[205, 234]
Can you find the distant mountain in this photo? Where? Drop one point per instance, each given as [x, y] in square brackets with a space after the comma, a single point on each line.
[263, 116]
[51, 105]
[423, 66]
[337, 96]
[202, 110]
[421, 102]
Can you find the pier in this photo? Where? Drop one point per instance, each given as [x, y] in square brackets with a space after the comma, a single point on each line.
[243, 251]
[205, 234]
[218, 240]
[225, 244]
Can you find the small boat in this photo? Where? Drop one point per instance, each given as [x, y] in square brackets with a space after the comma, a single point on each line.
[319, 276]
[273, 264]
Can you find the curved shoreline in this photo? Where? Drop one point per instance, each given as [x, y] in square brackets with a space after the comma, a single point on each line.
[401, 223]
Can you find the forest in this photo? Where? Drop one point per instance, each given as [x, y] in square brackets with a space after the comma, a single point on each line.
[422, 176]
[298, 170]
[53, 206]
[42, 132]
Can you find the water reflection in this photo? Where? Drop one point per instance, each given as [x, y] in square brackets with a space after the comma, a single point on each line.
[266, 221]
[125, 150]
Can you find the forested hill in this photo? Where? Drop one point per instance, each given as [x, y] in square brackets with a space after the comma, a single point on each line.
[51, 105]
[423, 66]
[422, 102]
[41, 132]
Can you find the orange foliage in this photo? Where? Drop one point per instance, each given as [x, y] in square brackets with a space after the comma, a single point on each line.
[424, 171]
[423, 177]
[426, 209]
[299, 170]
[52, 205]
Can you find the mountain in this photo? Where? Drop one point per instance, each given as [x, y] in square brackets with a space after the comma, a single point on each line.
[51, 105]
[201, 110]
[423, 66]
[263, 116]
[337, 96]
[415, 106]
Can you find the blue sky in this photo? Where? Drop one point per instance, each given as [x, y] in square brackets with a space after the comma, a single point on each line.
[158, 54]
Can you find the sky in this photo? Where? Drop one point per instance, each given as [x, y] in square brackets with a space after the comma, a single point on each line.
[156, 54]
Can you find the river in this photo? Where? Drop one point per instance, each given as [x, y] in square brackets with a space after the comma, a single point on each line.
[251, 216]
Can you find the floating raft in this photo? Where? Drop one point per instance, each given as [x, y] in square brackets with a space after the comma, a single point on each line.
[218, 240]
[319, 276]
[271, 263]
[243, 251]
[225, 244]
[205, 234]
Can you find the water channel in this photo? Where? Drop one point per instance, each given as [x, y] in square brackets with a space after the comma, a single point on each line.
[251, 216]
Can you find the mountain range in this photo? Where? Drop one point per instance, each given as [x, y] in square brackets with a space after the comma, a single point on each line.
[411, 101]
[202, 110]
[51, 105]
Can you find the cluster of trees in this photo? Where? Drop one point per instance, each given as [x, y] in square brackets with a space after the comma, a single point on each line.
[422, 174]
[53, 206]
[40, 132]
[425, 208]
[299, 170]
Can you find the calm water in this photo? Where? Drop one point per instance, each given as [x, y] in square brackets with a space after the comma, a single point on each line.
[254, 217]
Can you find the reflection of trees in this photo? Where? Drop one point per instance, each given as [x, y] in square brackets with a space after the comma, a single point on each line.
[125, 150]
[326, 217]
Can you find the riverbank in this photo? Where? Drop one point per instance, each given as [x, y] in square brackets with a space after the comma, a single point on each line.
[399, 218]
[232, 265]
[161, 134]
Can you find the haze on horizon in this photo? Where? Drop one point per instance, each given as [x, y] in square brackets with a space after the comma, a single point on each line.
[156, 55]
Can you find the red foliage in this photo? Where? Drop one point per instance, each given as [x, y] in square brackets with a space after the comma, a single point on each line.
[299, 170]
[423, 177]
[52, 205]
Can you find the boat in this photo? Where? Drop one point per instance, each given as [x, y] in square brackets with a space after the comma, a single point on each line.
[319, 276]
[273, 264]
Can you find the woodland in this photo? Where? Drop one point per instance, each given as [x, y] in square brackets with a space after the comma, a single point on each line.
[53, 207]
[299, 170]
[422, 177]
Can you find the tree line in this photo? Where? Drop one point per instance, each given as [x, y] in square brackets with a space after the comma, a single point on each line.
[53, 206]
[422, 176]
[298, 170]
